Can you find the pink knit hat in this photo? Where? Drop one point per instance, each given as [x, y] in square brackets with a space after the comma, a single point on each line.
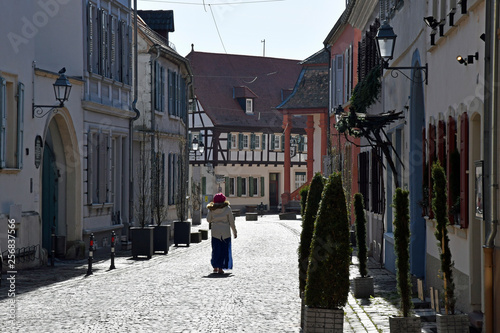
[219, 198]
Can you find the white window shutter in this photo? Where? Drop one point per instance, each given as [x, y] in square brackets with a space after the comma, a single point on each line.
[20, 124]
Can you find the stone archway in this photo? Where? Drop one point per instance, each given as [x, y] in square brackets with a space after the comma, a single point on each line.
[65, 161]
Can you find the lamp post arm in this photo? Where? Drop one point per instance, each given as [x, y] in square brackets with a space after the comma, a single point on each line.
[395, 70]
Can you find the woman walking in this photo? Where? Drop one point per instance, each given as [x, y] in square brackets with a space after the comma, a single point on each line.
[221, 219]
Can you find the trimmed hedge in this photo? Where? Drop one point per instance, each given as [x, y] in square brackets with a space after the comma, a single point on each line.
[359, 211]
[327, 284]
[312, 201]
[402, 248]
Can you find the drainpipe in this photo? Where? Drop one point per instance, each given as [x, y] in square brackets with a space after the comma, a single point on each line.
[131, 125]
[490, 160]
[153, 118]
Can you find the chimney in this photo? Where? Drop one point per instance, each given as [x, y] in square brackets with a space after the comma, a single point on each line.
[161, 21]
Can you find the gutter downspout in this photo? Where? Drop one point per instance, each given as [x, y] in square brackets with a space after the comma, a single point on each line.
[490, 163]
[131, 126]
[153, 117]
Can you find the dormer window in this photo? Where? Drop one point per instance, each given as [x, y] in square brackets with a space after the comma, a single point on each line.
[249, 105]
[245, 98]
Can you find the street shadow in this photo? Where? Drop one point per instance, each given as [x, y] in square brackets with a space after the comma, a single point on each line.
[217, 276]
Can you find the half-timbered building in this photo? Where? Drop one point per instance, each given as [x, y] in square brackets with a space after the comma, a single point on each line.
[234, 117]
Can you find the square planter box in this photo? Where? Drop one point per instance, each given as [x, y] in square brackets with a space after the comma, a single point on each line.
[363, 287]
[458, 323]
[405, 324]
[182, 233]
[161, 236]
[323, 320]
[142, 241]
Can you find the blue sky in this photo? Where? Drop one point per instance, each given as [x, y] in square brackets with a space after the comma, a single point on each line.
[292, 29]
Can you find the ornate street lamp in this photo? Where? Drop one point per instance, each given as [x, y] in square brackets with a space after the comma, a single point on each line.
[386, 42]
[62, 89]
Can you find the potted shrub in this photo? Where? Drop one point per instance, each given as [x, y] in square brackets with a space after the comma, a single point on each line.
[401, 248]
[182, 227]
[310, 202]
[142, 236]
[363, 285]
[327, 286]
[440, 208]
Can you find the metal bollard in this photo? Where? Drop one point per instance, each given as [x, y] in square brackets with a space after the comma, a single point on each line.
[53, 251]
[91, 254]
[112, 251]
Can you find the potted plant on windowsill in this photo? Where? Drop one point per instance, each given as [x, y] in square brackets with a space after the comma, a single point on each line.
[406, 323]
[327, 286]
[363, 285]
[440, 206]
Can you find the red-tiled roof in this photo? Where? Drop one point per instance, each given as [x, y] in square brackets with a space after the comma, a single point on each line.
[217, 75]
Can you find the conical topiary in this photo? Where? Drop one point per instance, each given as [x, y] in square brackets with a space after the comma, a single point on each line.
[401, 247]
[313, 199]
[303, 199]
[359, 211]
[327, 284]
[440, 208]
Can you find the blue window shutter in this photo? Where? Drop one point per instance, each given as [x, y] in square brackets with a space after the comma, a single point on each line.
[227, 187]
[228, 141]
[3, 121]
[273, 146]
[170, 94]
[90, 37]
[263, 141]
[283, 142]
[20, 124]
[240, 141]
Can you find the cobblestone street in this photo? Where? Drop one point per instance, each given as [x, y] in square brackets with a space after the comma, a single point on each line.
[177, 293]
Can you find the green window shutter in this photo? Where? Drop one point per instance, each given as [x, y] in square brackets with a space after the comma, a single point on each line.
[272, 142]
[203, 185]
[262, 186]
[283, 142]
[20, 124]
[190, 140]
[227, 186]
[263, 141]
[240, 141]
[3, 121]
[250, 186]
[162, 89]
[228, 140]
[252, 141]
[239, 186]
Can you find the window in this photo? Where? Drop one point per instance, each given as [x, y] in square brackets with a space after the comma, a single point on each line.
[249, 105]
[275, 142]
[242, 186]
[232, 186]
[233, 141]
[109, 45]
[159, 87]
[245, 141]
[256, 140]
[300, 179]
[253, 183]
[177, 95]
[98, 167]
[11, 123]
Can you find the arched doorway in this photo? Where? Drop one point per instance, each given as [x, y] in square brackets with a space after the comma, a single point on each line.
[50, 197]
[61, 185]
